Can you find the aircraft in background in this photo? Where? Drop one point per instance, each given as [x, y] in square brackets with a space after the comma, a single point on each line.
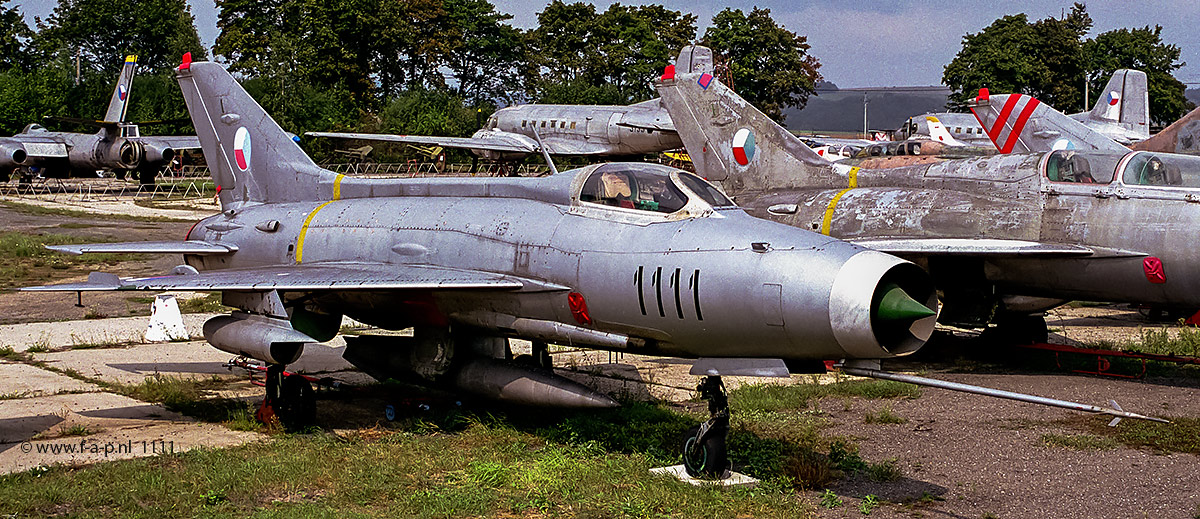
[1121, 114]
[117, 147]
[513, 133]
[1005, 236]
[1182, 136]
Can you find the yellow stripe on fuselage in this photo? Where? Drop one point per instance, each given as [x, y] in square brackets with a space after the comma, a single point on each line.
[304, 230]
[828, 220]
[337, 187]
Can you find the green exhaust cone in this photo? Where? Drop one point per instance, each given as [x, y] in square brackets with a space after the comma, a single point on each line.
[896, 305]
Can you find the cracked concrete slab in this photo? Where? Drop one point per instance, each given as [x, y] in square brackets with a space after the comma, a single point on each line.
[22, 380]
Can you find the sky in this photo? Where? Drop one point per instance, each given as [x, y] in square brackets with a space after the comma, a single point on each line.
[863, 43]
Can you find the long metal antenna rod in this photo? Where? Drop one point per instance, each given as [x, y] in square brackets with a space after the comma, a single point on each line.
[545, 152]
[1000, 393]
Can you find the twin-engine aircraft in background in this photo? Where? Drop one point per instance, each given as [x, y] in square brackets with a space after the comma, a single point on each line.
[117, 147]
[1005, 237]
[513, 133]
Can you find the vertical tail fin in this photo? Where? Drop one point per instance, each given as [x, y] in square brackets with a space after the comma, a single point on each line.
[1125, 103]
[120, 98]
[1182, 136]
[939, 133]
[251, 158]
[1019, 123]
[732, 142]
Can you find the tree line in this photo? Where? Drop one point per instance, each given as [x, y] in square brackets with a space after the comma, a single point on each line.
[439, 67]
[1051, 60]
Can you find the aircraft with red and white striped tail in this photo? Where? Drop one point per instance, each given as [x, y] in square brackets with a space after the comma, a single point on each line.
[1005, 236]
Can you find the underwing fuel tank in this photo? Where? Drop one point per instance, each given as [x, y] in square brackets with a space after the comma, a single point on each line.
[431, 360]
[263, 338]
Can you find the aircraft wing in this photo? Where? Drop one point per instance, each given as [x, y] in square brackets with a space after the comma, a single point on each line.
[448, 142]
[146, 247]
[971, 247]
[1019, 123]
[178, 142]
[323, 276]
[38, 147]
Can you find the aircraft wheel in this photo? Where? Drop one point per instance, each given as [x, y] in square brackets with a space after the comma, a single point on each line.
[706, 459]
[297, 405]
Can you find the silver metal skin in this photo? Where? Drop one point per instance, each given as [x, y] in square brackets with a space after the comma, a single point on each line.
[574, 130]
[1121, 114]
[117, 146]
[998, 233]
[622, 256]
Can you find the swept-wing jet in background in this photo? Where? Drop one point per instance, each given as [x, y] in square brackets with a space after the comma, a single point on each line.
[1122, 114]
[1004, 236]
[117, 147]
[573, 130]
[1182, 136]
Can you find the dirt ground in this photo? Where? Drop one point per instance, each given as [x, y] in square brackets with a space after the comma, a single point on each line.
[961, 455]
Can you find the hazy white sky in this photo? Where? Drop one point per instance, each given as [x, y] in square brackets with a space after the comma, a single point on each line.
[869, 43]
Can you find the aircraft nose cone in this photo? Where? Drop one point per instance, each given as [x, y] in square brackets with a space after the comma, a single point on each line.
[898, 307]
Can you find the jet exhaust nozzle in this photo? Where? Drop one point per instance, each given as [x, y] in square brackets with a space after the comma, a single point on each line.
[882, 306]
[156, 156]
[259, 337]
[12, 156]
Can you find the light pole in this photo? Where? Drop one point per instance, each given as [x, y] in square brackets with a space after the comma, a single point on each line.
[865, 101]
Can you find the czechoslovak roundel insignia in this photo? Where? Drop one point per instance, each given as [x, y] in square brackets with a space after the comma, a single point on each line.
[1114, 97]
[122, 92]
[743, 146]
[241, 148]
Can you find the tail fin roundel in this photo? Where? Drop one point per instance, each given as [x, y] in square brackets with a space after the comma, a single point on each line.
[251, 158]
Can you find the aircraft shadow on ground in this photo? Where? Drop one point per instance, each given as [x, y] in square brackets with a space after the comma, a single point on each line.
[150, 369]
[19, 429]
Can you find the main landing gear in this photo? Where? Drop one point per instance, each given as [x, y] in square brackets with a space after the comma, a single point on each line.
[704, 446]
[290, 399]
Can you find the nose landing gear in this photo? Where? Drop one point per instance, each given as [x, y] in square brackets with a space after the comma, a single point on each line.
[704, 446]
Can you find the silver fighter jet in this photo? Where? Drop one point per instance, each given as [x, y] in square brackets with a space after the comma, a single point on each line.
[117, 147]
[1005, 236]
[623, 257]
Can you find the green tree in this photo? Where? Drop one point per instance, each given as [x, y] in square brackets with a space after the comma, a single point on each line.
[14, 35]
[1141, 49]
[486, 62]
[102, 32]
[1002, 57]
[769, 65]
[250, 30]
[620, 50]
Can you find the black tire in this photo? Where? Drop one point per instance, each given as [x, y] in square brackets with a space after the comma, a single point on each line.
[709, 459]
[297, 405]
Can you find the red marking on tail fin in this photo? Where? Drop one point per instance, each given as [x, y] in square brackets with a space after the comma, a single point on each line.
[1022, 118]
[983, 95]
[668, 73]
[187, 61]
[998, 125]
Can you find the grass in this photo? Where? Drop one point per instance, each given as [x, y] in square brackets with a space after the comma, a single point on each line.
[484, 469]
[209, 304]
[38, 210]
[884, 416]
[1079, 442]
[189, 396]
[770, 397]
[25, 260]
[76, 430]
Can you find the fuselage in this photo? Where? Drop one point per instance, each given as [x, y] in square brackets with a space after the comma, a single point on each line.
[638, 129]
[1130, 223]
[690, 281]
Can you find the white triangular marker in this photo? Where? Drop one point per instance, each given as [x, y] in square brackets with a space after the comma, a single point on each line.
[166, 324]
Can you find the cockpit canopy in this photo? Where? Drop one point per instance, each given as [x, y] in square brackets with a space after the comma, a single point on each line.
[652, 188]
[1133, 169]
[33, 127]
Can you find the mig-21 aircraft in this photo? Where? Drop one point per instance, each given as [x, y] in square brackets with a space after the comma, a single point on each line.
[624, 257]
[117, 146]
[1005, 237]
[630, 257]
